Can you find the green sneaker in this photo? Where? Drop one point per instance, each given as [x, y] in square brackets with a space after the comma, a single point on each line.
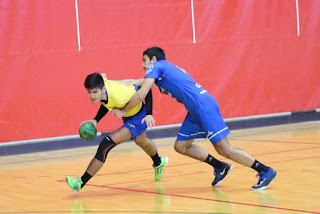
[74, 184]
[158, 170]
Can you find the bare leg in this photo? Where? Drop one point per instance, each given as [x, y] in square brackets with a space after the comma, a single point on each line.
[146, 144]
[119, 136]
[196, 152]
[191, 150]
[94, 166]
[225, 149]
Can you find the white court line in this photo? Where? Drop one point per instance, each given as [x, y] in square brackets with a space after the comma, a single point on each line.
[78, 29]
[193, 28]
[298, 25]
[42, 140]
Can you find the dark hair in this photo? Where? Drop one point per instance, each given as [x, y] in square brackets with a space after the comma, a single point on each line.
[155, 51]
[94, 80]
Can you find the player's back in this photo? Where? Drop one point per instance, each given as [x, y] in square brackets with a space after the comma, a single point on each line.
[177, 83]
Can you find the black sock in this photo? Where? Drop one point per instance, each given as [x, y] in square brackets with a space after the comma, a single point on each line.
[156, 159]
[85, 178]
[214, 162]
[259, 166]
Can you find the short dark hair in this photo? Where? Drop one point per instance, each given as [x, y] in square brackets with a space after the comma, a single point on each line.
[94, 80]
[155, 51]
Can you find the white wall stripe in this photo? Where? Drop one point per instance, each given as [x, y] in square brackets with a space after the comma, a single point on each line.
[43, 140]
[298, 24]
[193, 27]
[282, 114]
[78, 29]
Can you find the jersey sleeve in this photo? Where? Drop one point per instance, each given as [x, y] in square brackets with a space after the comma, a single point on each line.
[101, 113]
[153, 71]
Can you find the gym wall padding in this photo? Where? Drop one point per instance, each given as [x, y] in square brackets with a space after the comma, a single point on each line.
[248, 54]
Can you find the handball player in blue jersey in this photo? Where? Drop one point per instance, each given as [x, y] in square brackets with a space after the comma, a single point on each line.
[202, 121]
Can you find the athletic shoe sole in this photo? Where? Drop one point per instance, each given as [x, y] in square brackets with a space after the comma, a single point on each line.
[231, 166]
[265, 187]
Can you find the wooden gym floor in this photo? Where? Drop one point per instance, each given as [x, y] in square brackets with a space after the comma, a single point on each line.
[34, 183]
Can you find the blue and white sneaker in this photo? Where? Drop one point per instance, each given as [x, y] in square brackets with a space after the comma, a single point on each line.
[221, 173]
[265, 179]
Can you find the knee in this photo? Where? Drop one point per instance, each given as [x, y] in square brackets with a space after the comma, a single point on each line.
[223, 152]
[105, 146]
[142, 140]
[180, 148]
[223, 148]
[140, 143]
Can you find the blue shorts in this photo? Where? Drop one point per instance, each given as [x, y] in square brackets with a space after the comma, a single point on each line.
[133, 123]
[205, 122]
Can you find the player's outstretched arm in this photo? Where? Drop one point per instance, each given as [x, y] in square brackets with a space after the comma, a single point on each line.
[101, 113]
[128, 82]
[138, 97]
[137, 82]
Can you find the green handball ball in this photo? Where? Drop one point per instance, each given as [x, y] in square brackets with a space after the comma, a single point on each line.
[87, 131]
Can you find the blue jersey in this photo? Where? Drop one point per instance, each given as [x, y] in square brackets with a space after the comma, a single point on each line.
[175, 82]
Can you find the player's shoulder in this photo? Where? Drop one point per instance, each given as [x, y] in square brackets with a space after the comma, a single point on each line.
[159, 65]
[114, 83]
[161, 62]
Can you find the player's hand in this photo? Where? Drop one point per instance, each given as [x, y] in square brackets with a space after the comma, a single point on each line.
[149, 120]
[91, 121]
[118, 112]
[104, 75]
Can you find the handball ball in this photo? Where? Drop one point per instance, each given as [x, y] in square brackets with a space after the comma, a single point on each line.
[88, 131]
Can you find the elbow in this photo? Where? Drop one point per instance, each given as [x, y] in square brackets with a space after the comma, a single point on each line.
[138, 82]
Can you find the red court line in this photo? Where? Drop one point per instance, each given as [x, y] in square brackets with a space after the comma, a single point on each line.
[239, 167]
[276, 141]
[198, 162]
[295, 159]
[198, 198]
[174, 176]
[177, 165]
[206, 199]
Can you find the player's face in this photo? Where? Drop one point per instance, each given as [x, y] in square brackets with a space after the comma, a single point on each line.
[146, 62]
[96, 94]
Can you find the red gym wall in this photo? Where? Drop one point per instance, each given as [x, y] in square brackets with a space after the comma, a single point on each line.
[248, 54]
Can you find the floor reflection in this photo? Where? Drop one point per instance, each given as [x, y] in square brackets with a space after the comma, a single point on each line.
[161, 199]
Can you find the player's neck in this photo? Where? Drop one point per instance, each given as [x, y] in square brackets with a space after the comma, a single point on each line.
[104, 96]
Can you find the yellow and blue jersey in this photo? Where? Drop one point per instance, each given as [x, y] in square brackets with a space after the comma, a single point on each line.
[118, 95]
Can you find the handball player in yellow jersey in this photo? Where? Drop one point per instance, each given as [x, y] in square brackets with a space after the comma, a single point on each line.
[116, 94]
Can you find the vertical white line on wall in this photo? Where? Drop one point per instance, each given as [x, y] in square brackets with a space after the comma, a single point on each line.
[298, 25]
[78, 29]
[193, 28]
